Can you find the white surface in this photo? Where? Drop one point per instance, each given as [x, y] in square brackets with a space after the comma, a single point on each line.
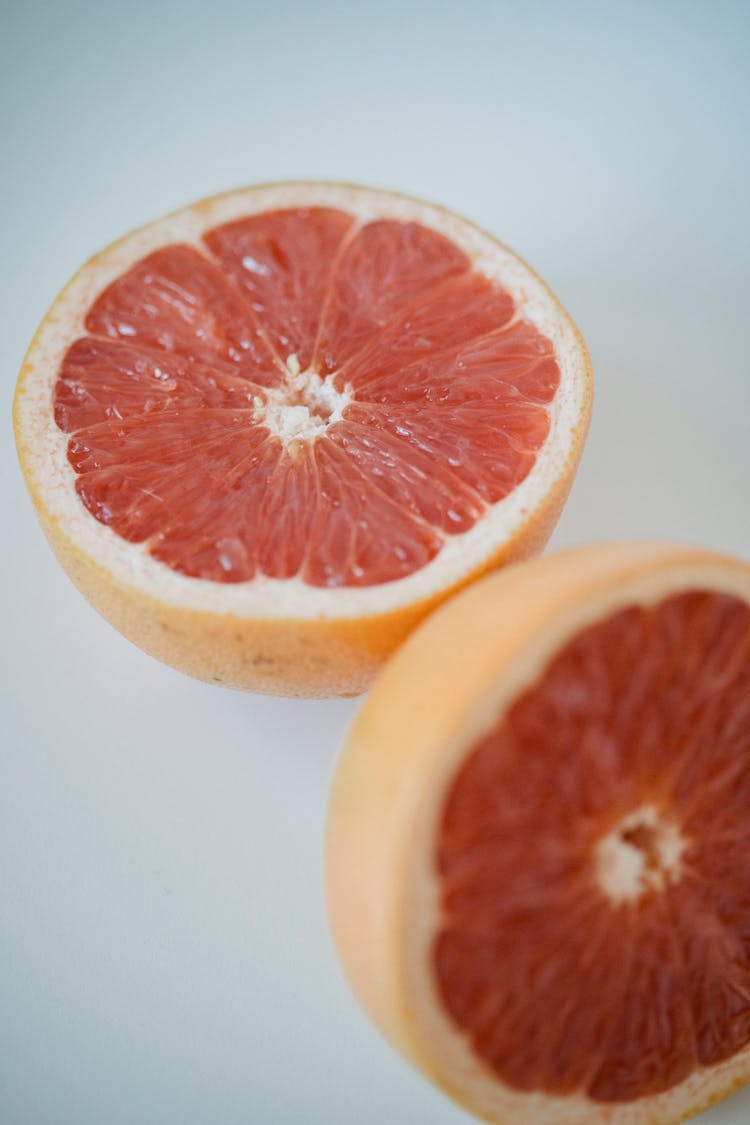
[164, 958]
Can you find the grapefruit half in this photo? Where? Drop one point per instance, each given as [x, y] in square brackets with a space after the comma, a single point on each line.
[267, 433]
[538, 853]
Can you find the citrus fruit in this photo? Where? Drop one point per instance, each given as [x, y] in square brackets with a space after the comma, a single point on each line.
[538, 854]
[266, 434]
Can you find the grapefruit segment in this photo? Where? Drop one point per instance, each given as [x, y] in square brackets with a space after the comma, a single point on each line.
[221, 540]
[385, 268]
[175, 300]
[456, 314]
[102, 380]
[342, 531]
[286, 515]
[335, 403]
[407, 476]
[538, 840]
[284, 261]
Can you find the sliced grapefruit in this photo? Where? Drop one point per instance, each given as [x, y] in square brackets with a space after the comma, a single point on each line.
[266, 434]
[538, 856]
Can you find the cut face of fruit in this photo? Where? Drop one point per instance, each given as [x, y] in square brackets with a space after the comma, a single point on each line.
[303, 394]
[559, 858]
[307, 401]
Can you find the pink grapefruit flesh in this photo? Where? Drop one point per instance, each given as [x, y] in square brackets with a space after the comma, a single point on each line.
[538, 852]
[428, 400]
[593, 858]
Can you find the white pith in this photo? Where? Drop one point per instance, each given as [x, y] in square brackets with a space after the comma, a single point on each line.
[132, 565]
[414, 910]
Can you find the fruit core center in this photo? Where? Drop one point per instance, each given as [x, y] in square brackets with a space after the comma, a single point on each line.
[303, 406]
[642, 853]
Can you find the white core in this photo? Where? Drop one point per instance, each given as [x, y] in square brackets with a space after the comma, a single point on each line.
[642, 853]
[302, 407]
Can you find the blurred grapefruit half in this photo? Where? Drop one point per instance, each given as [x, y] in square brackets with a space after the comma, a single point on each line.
[267, 433]
[539, 840]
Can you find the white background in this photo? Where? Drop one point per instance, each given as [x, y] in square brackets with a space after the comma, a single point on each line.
[164, 958]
